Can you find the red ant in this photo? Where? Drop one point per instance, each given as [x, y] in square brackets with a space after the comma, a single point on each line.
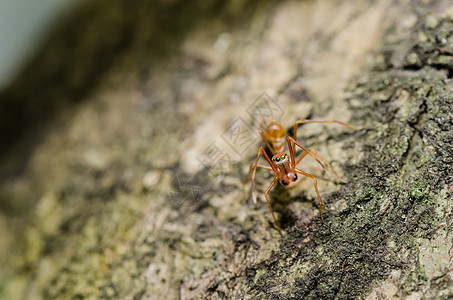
[284, 167]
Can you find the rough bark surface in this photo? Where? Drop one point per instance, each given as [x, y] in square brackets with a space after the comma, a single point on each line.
[107, 191]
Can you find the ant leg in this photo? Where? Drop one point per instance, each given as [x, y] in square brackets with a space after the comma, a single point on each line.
[323, 160]
[314, 121]
[274, 169]
[292, 151]
[270, 205]
[263, 136]
[251, 169]
[302, 157]
[316, 188]
[248, 175]
[266, 141]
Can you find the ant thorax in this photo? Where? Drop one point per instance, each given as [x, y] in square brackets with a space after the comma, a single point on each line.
[279, 144]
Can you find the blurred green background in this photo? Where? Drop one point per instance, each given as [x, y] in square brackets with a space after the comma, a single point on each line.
[23, 27]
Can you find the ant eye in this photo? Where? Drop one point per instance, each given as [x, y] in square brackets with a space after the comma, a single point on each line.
[284, 182]
[295, 177]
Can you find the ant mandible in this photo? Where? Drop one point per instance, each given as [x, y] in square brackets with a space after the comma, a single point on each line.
[284, 167]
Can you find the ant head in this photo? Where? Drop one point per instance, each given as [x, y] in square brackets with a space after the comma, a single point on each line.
[287, 174]
[288, 178]
[280, 158]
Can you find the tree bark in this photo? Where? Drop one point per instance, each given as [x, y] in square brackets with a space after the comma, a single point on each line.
[135, 126]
